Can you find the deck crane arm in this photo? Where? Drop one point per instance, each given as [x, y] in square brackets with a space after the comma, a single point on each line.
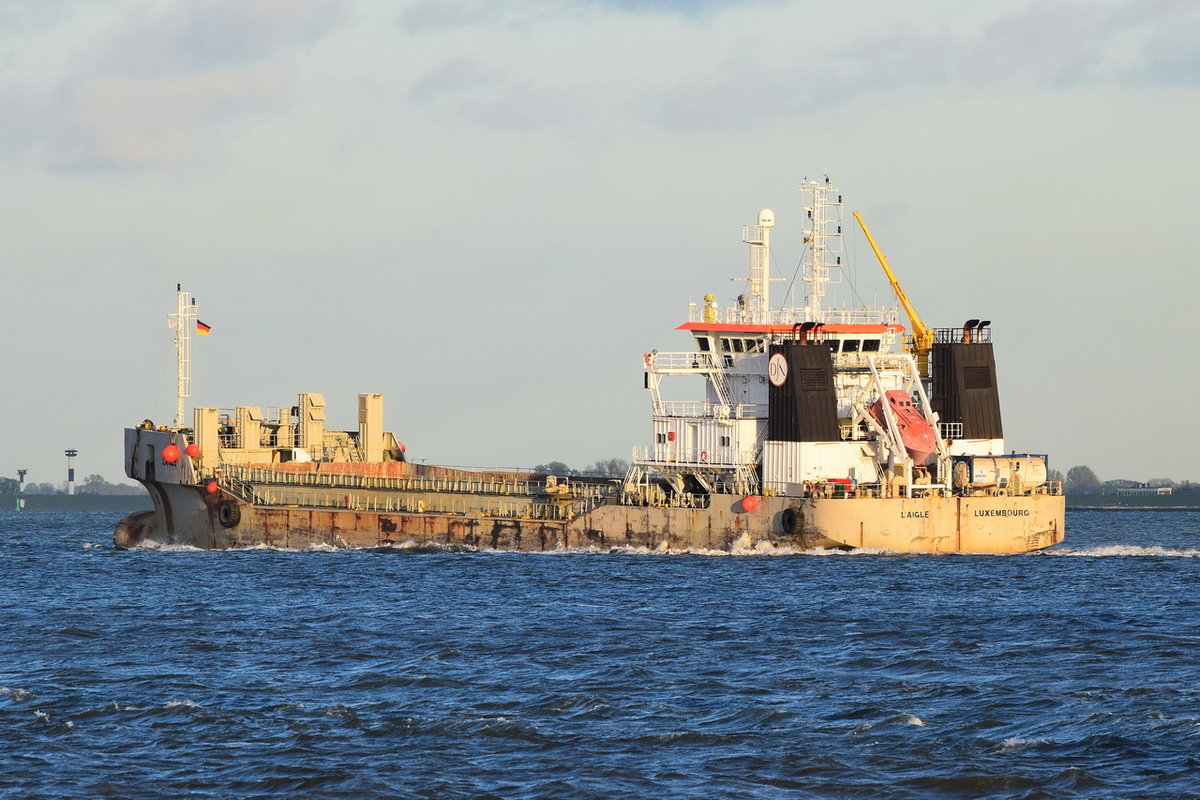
[922, 335]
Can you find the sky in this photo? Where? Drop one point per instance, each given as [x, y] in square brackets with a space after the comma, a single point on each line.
[488, 210]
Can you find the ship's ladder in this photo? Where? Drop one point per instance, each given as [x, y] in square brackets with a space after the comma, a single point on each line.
[634, 477]
[720, 381]
[747, 479]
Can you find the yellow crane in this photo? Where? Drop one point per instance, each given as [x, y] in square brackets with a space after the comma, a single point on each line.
[922, 336]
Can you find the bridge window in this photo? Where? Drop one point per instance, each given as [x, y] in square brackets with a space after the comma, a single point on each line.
[739, 345]
[870, 345]
[704, 343]
[850, 346]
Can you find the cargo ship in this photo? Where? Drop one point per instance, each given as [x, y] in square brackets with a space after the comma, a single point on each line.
[819, 427]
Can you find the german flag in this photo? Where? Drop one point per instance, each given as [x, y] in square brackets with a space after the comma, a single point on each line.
[202, 329]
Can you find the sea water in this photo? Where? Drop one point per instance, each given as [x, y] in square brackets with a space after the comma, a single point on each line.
[1074, 672]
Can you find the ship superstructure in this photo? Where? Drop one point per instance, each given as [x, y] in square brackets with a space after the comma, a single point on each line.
[797, 396]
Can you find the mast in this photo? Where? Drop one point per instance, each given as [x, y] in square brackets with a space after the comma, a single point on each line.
[759, 238]
[824, 239]
[183, 320]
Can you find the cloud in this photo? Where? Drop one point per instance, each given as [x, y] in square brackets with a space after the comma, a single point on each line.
[149, 90]
[19, 17]
[683, 8]
[217, 34]
[1172, 56]
[486, 95]
[119, 123]
[709, 80]
[441, 15]
[527, 107]
[454, 79]
[1055, 46]
[435, 15]
[729, 101]
[1060, 45]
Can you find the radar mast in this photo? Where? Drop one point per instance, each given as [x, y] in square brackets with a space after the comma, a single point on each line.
[824, 239]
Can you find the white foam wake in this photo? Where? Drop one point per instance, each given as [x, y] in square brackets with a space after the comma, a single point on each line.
[150, 544]
[1106, 551]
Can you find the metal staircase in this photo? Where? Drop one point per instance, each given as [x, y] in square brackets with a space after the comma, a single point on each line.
[720, 381]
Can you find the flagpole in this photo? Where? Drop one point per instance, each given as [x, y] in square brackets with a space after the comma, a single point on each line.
[183, 319]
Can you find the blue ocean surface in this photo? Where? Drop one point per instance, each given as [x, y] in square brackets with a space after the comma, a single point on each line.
[1071, 673]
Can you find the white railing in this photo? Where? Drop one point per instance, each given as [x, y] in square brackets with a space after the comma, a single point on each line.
[950, 430]
[852, 432]
[686, 362]
[695, 457]
[860, 316]
[862, 360]
[790, 316]
[703, 409]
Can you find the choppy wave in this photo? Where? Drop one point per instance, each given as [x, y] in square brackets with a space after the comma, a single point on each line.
[460, 673]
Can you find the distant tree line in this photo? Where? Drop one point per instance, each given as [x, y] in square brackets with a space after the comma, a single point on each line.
[92, 484]
[1084, 480]
[605, 468]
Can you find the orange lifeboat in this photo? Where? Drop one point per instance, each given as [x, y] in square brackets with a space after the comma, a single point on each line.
[919, 437]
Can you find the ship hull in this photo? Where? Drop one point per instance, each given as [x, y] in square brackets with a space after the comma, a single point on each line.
[833, 430]
[188, 516]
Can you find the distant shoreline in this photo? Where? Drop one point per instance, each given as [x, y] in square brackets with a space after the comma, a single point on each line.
[79, 502]
[1133, 508]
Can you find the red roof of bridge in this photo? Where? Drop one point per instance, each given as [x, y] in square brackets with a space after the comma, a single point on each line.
[825, 327]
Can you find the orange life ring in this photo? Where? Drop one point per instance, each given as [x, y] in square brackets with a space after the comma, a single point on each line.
[704, 455]
[647, 359]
